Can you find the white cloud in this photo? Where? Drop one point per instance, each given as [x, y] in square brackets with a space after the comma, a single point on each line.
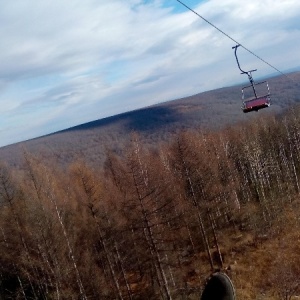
[67, 62]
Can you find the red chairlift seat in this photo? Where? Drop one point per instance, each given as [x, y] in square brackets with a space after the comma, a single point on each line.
[258, 102]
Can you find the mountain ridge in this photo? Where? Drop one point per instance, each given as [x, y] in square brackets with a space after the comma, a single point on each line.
[155, 124]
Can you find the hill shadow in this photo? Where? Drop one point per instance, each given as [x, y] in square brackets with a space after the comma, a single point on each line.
[146, 119]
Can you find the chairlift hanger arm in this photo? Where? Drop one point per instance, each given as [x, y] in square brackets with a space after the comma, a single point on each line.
[249, 73]
[235, 50]
[238, 63]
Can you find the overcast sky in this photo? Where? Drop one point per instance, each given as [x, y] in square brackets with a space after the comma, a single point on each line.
[67, 62]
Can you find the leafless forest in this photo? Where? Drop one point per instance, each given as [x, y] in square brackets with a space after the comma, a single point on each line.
[154, 223]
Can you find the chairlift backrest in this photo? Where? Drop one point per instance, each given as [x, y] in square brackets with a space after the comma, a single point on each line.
[256, 84]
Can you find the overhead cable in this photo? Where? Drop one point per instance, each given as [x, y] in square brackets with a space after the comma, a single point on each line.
[231, 38]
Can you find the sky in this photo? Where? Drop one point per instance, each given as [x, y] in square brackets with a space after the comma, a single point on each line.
[65, 63]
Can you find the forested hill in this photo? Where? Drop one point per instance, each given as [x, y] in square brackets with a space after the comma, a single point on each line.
[212, 109]
[155, 223]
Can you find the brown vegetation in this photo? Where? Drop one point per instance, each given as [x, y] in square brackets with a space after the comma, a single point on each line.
[155, 223]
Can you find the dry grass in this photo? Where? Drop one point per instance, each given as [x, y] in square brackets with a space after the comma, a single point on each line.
[256, 258]
[251, 260]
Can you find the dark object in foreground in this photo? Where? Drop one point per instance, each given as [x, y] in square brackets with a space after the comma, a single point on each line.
[218, 287]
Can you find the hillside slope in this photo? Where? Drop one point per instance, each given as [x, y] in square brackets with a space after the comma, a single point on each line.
[155, 124]
[156, 224]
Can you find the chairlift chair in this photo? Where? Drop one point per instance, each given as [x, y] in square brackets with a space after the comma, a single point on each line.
[258, 101]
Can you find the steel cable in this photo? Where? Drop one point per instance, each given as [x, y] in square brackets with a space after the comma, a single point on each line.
[228, 36]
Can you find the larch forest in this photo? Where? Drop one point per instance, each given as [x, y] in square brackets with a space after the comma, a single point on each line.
[154, 223]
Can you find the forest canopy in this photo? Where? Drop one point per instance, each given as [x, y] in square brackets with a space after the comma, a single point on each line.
[154, 223]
